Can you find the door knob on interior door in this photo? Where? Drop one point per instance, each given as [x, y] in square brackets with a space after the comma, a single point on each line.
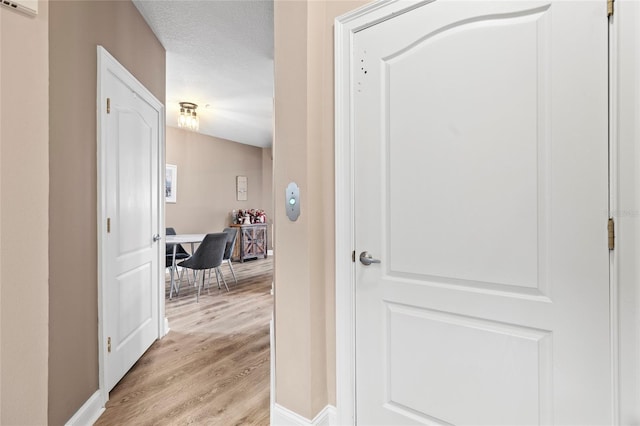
[366, 259]
[156, 237]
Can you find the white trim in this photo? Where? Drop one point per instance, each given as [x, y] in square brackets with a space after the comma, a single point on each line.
[625, 206]
[614, 324]
[89, 412]
[625, 275]
[281, 416]
[163, 327]
[269, 252]
[272, 378]
[107, 63]
[327, 417]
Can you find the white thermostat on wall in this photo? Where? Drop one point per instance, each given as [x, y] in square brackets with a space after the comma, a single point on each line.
[292, 201]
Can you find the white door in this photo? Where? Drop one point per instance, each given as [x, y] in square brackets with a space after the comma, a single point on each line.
[131, 205]
[481, 185]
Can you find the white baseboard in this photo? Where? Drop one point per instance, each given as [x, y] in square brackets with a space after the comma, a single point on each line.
[89, 412]
[269, 252]
[166, 327]
[272, 378]
[281, 416]
[327, 417]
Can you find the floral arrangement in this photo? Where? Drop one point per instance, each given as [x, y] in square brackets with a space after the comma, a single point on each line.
[248, 216]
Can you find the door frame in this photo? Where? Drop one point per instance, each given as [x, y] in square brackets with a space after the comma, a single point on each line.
[108, 64]
[624, 277]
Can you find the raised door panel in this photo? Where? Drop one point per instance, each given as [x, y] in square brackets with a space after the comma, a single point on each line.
[473, 171]
[504, 369]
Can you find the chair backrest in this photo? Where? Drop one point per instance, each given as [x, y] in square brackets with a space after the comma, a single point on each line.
[180, 251]
[231, 242]
[208, 254]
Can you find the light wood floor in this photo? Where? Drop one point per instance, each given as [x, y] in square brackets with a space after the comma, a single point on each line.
[213, 366]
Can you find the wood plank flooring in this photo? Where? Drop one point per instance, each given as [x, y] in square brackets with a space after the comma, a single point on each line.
[213, 367]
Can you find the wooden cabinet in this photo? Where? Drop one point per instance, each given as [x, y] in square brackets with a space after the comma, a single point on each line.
[251, 242]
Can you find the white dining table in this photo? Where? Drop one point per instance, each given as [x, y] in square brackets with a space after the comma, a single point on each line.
[180, 239]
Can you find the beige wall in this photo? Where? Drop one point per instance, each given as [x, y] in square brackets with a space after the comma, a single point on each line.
[24, 185]
[207, 170]
[267, 189]
[305, 249]
[75, 29]
[293, 331]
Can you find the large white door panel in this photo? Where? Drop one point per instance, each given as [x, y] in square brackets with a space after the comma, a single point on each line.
[133, 302]
[511, 385]
[481, 183]
[451, 153]
[134, 177]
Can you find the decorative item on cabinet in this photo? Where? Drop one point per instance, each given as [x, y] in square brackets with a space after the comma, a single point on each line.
[248, 216]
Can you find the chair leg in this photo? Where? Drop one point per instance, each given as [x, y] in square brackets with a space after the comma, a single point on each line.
[217, 279]
[221, 276]
[221, 272]
[187, 274]
[179, 281]
[171, 282]
[195, 278]
[177, 285]
[200, 286]
[176, 281]
[232, 271]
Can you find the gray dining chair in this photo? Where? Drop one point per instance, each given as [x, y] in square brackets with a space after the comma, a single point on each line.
[181, 254]
[228, 251]
[207, 256]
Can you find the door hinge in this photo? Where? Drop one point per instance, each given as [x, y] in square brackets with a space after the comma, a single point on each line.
[109, 344]
[108, 105]
[610, 8]
[611, 227]
[108, 225]
[353, 256]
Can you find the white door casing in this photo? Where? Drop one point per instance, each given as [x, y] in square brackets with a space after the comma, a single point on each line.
[130, 213]
[480, 173]
[625, 206]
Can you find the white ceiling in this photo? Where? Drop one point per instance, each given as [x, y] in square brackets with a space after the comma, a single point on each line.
[219, 56]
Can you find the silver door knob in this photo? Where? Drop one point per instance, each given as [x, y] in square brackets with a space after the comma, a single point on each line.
[156, 237]
[366, 259]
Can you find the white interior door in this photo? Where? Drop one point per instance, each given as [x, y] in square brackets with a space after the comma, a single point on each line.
[481, 175]
[131, 202]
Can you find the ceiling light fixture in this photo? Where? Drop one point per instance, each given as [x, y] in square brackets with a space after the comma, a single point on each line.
[188, 118]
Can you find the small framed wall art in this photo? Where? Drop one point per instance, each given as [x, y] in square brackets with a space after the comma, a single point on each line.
[171, 183]
[241, 188]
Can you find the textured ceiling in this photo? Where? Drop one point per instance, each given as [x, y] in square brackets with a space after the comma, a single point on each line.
[219, 56]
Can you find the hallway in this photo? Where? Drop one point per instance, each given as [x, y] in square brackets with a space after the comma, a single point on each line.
[212, 368]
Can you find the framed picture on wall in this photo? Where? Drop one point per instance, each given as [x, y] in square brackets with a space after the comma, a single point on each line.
[170, 183]
[241, 188]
